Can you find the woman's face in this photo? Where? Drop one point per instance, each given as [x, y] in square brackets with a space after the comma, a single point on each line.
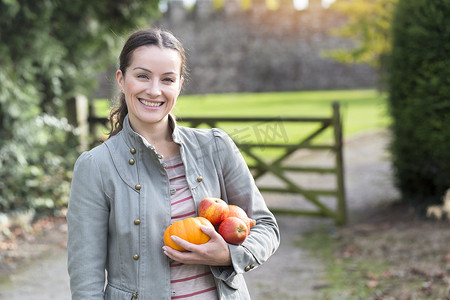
[151, 85]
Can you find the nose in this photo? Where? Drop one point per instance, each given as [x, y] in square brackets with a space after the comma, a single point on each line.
[153, 89]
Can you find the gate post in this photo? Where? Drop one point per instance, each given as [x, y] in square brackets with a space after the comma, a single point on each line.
[341, 204]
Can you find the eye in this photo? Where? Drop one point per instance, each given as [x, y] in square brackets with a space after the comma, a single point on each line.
[142, 76]
[169, 79]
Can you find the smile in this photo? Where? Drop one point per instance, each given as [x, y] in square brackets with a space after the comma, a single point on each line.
[151, 104]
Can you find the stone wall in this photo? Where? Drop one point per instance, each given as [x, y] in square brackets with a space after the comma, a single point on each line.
[257, 50]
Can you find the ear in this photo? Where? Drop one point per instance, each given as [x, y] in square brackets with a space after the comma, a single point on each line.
[120, 79]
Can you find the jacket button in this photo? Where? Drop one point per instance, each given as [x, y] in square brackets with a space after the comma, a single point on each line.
[199, 179]
[137, 222]
[136, 256]
[133, 151]
[134, 295]
[131, 161]
[248, 268]
[138, 187]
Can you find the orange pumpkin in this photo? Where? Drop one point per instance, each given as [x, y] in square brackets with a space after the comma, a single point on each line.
[189, 230]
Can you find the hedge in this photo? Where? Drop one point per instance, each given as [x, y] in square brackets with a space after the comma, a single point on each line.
[419, 87]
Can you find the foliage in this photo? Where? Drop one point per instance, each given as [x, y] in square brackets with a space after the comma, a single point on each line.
[35, 164]
[369, 27]
[50, 51]
[420, 100]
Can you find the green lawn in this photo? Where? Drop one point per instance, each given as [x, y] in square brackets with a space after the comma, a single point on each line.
[361, 110]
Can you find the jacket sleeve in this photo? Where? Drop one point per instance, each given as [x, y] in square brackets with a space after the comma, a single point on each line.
[241, 190]
[87, 219]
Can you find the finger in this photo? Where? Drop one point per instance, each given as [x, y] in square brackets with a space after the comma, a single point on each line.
[183, 243]
[211, 232]
[171, 253]
[183, 257]
[167, 251]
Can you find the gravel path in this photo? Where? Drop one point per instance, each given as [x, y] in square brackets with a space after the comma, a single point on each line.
[291, 273]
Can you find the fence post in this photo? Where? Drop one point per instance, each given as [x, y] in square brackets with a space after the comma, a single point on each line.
[82, 114]
[341, 204]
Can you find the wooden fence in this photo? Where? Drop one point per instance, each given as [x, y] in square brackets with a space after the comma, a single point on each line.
[260, 165]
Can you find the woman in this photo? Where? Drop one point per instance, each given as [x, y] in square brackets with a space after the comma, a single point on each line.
[148, 174]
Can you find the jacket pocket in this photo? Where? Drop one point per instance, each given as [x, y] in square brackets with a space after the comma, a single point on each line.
[115, 293]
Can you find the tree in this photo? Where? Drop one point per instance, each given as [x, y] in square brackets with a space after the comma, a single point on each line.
[50, 51]
[419, 87]
[368, 26]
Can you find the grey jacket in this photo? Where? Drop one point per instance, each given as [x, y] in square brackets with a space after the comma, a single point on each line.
[119, 208]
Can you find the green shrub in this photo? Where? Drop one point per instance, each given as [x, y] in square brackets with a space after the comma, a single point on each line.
[420, 100]
[35, 165]
[51, 51]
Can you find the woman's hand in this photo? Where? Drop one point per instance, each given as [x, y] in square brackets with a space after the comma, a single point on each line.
[214, 253]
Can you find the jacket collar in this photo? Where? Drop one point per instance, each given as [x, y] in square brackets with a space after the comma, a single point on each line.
[175, 129]
[134, 136]
[190, 150]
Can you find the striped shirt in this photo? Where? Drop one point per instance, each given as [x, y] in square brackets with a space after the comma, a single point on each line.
[187, 281]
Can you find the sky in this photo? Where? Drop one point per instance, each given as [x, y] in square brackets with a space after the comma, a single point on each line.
[298, 4]
[303, 4]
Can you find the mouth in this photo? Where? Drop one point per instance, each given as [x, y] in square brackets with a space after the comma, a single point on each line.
[149, 103]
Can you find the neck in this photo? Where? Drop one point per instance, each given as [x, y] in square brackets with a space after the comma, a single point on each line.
[155, 133]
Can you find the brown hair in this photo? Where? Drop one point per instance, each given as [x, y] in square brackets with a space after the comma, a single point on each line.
[148, 37]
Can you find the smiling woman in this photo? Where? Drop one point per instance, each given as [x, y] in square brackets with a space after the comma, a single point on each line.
[150, 173]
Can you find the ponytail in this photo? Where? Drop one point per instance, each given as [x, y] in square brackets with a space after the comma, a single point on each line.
[117, 116]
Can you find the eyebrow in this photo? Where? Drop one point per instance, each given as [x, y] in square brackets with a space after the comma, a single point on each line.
[149, 71]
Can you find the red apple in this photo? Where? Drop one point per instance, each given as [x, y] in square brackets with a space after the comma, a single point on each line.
[213, 209]
[233, 230]
[236, 211]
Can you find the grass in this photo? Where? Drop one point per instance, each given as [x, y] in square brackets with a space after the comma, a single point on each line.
[361, 110]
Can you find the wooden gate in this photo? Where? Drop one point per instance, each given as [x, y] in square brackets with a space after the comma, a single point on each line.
[261, 166]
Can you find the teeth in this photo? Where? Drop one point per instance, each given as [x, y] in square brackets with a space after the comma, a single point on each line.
[152, 104]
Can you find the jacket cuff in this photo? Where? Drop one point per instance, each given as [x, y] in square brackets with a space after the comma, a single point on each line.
[241, 261]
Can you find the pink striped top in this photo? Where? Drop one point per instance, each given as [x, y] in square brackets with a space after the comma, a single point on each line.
[187, 281]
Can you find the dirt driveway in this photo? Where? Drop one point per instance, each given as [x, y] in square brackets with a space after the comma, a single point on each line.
[292, 273]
